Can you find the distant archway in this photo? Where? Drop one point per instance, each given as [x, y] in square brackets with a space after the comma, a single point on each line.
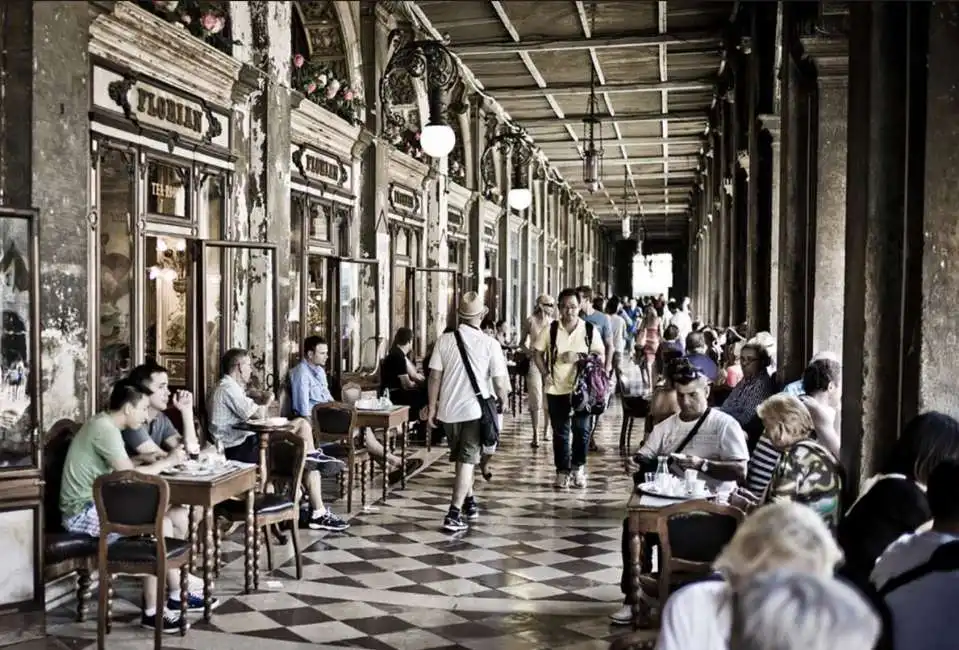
[325, 31]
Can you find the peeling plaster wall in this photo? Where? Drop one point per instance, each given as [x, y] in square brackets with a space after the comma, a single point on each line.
[60, 178]
[261, 210]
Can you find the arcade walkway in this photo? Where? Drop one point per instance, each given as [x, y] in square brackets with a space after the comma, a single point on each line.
[539, 570]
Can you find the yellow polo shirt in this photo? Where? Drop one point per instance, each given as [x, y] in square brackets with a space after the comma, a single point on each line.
[564, 374]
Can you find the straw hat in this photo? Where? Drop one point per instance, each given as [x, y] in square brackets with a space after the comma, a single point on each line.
[471, 306]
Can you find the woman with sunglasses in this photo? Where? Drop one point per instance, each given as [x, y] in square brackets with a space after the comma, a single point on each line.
[542, 316]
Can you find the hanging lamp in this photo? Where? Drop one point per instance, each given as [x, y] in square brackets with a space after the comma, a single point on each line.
[592, 132]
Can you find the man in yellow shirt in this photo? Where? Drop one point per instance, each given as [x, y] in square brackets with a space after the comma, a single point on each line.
[574, 339]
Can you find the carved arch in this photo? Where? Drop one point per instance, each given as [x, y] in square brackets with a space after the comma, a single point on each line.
[328, 30]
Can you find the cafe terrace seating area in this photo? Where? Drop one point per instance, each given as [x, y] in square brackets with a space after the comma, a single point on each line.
[540, 569]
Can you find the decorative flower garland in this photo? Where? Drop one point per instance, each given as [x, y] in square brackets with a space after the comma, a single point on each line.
[320, 85]
[208, 21]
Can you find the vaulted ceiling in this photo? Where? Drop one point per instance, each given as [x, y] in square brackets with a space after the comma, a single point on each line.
[655, 64]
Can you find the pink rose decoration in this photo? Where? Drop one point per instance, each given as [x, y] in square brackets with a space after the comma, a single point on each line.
[219, 25]
[348, 95]
[298, 61]
[310, 88]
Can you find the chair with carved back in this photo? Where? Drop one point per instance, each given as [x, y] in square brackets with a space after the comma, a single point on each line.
[287, 460]
[64, 553]
[133, 505]
[336, 422]
[691, 536]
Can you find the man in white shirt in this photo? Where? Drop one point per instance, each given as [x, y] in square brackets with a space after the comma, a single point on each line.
[453, 401]
[557, 364]
[682, 320]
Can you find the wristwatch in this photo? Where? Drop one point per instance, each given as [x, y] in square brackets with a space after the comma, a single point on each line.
[705, 466]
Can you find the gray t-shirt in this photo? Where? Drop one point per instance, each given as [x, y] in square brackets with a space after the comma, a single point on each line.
[159, 429]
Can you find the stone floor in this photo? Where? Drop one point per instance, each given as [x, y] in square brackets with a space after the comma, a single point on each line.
[540, 569]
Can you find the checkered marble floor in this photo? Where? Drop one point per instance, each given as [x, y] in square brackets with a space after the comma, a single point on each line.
[540, 569]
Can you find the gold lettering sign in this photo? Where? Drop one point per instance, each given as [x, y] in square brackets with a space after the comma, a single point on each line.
[316, 166]
[163, 191]
[405, 201]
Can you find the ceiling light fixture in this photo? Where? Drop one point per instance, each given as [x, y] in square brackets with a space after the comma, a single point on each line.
[517, 150]
[592, 131]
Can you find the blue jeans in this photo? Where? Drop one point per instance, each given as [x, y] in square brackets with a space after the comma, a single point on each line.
[566, 425]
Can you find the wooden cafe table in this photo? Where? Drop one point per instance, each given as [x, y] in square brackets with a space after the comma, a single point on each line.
[264, 429]
[393, 418]
[642, 513]
[206, 491]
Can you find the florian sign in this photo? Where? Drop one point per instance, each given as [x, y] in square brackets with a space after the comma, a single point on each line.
[319, 166]
[404, 202]
[149, 106]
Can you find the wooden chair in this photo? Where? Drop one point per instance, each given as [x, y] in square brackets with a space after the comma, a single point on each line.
[691, 535]
[64, 553]
[287, 459]
[134, 505]
[336, 422]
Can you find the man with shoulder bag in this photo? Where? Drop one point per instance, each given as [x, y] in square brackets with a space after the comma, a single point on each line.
[464, 362]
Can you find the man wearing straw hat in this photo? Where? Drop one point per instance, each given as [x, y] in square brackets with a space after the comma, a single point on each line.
[453, 401]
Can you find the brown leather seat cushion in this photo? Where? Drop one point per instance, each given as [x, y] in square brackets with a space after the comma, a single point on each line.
[59, 547]
[142, 550]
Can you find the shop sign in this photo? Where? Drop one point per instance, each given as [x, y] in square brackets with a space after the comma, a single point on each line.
[404, 201]
[320, 166]
[151, 106]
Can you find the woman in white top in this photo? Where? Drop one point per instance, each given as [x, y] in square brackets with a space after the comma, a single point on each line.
[543, 315]
[618, 326]
[780, 536]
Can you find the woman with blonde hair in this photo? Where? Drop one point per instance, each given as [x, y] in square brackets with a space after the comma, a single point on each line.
[807, 472]
[779, 536]
[542, 316]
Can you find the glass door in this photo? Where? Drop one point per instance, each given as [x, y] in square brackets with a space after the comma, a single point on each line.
[168, 308]
[429, 317]
[311, 309]
[238, 297]
[358, 346]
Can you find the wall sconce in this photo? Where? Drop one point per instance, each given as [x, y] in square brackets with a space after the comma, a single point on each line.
[433, 63]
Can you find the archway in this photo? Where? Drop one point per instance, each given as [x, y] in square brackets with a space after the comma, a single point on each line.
[324, 31]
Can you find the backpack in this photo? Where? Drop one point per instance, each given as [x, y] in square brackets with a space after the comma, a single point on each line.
[591, 390]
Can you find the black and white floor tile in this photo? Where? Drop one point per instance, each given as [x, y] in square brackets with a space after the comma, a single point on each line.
[540, 569]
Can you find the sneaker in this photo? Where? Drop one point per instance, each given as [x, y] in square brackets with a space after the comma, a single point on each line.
[170, 620]
[579, 477]
[194, 603]
[562, 480]
[328, 521]
[454, 523]
[471, 510]
[622, 616]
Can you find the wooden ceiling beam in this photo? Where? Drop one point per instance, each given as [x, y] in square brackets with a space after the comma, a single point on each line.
[533, 92]
[693, 40]
[697, 115]
[656, 141]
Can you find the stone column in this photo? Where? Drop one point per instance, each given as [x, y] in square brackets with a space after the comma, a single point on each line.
[504, 237]
[881, 56]
[722, 216]
[437, 248]
[375, 25]
[831, 57]
[940, 239]
[476, 255]
[263, 29]
[770, 124]
[47, 106]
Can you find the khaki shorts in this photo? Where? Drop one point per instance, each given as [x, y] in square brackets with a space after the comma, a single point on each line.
[464, 441]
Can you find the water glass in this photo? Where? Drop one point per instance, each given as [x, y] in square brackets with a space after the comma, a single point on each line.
[650, 478]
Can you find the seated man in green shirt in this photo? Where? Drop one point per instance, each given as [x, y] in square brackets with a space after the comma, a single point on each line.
[98, 449]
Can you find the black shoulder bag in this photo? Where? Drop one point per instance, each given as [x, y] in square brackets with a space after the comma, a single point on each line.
[647, 465]
[489, 428]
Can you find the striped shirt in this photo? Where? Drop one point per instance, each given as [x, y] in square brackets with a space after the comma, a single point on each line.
[761, 466]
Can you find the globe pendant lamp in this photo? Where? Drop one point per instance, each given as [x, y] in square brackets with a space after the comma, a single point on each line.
[437, 140]
[519, 198]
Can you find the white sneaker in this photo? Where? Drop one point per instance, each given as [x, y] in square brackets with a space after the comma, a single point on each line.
[562, 480]
[579, 477]
[622, 616]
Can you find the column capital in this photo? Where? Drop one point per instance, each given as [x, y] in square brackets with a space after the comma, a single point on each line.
[830, 55]
[770, 122]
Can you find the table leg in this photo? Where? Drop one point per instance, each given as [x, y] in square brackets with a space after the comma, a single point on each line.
[386, 472]
[404, 444]
[641, 613]
[264, 446]
[248, 540]
[208, 523]
[191, 537]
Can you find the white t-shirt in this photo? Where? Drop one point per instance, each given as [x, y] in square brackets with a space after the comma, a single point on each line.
[457, 402]
[697, 617]
[619, 332]
[719, 438]
[683, 322]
